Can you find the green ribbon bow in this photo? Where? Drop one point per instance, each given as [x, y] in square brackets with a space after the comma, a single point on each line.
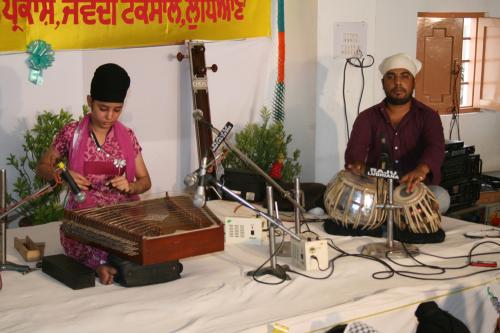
[41, 57]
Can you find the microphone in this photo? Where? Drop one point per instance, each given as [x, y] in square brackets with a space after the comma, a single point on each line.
[199, 196]
[79, 195]
[191, 178]
[384, 162]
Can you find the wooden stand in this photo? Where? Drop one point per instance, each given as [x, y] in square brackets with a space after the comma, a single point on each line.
[28, 249]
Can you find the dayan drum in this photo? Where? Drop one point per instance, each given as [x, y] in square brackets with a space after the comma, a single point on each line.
[351, 200]
[420, 209]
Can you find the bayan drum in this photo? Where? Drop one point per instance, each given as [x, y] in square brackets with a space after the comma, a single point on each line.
[419, 212]
[351, 200]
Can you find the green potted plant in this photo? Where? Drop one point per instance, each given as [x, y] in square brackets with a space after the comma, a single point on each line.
[266, 145]
[36, 141]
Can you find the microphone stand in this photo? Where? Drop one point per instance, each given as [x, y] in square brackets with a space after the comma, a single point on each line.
[285, 249]
[392, 247]
[274, 269]
[4, 264]
[286, 194]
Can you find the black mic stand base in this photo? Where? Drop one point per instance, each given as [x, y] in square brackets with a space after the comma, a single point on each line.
[8, 266]
[383, 250]
[279, 271]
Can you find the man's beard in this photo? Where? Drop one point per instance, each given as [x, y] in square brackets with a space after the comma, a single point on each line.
[398, 101]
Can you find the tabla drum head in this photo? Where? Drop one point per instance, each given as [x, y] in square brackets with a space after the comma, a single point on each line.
[402, 196]
[351, 200]
[418, 210]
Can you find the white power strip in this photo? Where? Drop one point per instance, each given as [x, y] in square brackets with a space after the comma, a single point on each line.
[310, 254]
[244, 230]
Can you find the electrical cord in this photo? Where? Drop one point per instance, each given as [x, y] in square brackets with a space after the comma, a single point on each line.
[426, 276]
[390, 264]
[455, 110]
[358, 62]
[330, 266]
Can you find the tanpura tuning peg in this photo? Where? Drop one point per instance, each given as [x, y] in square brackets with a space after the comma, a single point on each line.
[181, 56]
[213, 68]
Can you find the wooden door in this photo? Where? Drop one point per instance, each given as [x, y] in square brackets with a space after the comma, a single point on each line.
[439, 48]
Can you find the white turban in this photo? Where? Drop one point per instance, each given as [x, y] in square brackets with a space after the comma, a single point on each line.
[400, 60]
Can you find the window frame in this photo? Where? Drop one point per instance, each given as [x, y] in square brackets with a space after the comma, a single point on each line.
[472, 61]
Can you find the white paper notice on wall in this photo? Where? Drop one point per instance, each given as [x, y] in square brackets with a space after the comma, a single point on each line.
[349, 39]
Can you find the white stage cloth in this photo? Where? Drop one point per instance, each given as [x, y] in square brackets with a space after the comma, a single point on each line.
[215, 295]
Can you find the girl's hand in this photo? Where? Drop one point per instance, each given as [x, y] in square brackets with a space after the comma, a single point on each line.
[120, 183]
[82, 182]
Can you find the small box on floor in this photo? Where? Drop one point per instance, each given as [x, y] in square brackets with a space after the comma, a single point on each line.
[68, 271]
[310, 254]
[131, 274]
[244, 230]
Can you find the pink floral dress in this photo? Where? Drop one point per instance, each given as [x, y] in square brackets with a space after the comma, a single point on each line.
[100, 165]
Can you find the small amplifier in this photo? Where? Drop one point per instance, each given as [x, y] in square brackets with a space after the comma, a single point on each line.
[453, 145]
[308, 254]
[467, 150]
[463, 194]
[460, 168]
[244, 230]
[493, 182]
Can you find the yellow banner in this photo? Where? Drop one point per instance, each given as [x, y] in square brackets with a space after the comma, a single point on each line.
[90, 24]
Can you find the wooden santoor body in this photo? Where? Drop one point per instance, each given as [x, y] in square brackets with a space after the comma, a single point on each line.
[150, 231]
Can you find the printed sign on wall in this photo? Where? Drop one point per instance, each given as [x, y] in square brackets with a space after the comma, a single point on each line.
[84, 24]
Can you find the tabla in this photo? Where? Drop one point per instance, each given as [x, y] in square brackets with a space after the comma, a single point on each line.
[420, 209]
[351, 200]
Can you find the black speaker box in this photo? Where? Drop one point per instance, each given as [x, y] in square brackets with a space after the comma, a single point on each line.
[131, 274]
[68, 271]
[248, 185]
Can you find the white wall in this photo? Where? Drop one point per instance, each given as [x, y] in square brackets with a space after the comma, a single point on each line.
[391, 29]
[300, 78]
[331, 137]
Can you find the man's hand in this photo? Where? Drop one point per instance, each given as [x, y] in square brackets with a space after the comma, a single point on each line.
[357, 168]
[417, 175]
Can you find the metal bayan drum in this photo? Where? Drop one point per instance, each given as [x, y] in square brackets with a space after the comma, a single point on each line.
[351, 200]
[420, 209]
